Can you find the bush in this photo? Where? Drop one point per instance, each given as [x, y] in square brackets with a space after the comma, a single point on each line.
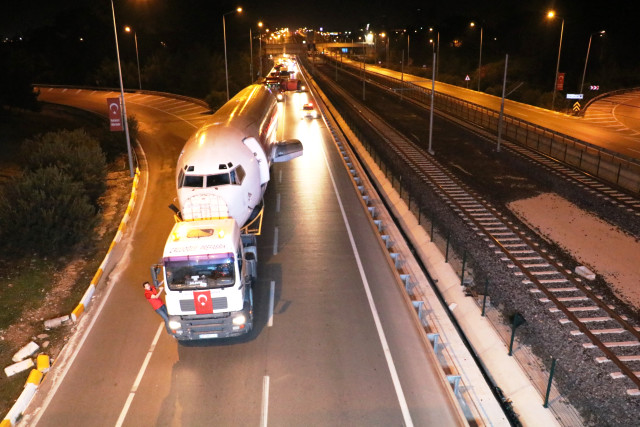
[115, 143]
[72, 152]
[44, 211]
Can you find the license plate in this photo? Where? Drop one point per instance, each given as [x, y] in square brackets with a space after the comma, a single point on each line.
[205, 336]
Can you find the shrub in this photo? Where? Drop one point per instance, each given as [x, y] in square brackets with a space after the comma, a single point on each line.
[114, 143]
[44, 211]
[72, 152]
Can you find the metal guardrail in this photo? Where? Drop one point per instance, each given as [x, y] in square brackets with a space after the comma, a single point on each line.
[600, 162]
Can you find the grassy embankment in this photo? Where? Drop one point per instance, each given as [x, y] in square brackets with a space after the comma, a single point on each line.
[26, 283]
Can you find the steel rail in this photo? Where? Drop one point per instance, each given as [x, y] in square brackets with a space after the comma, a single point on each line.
[432, 173]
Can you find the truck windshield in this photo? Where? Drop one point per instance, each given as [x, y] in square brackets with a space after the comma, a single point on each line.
[186, 273]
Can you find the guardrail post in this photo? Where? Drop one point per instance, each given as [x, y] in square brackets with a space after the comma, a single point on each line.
[431, 236]
[454, 380]
[546, 397]
[446, 256]
[517, 321]
[464, 262]
[484, 297]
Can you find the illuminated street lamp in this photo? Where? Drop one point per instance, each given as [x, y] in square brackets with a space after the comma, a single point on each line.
[384, 36]
[437, 49]
[135, 38]
[260, 24]
[551, 14]
[473, 24]
[224, 35]
[124, 108]
[587, 58]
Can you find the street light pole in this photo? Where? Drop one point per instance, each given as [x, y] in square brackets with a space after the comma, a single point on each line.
[250, 57]
[224, 36]
[584, 72]
[135, 38]
[551, 15]
[480, 59]
[260, 47]
[437, 50]
[124, 107]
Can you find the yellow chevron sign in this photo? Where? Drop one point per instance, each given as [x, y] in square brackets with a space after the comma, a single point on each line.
[576, 107]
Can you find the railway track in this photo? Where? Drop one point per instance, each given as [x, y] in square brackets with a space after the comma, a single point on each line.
[557, 289]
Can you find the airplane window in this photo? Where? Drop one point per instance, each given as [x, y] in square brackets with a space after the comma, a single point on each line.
[237, 175]
[194, 181]
[216, 180]
[180, 179]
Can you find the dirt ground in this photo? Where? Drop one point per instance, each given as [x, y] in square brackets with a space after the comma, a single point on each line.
[600, 246]
[31, 327]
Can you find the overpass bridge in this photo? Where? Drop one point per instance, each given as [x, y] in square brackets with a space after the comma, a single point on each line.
[347, 48]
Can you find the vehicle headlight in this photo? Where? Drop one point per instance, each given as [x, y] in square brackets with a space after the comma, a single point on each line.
[174, 325]
[239, 320]
[279, 96]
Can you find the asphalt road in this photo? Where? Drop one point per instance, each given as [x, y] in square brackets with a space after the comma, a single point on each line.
[340, 348]
[606, 135]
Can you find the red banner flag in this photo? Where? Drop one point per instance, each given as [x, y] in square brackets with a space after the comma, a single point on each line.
[115, 115]
[203, 303]
[560, 82]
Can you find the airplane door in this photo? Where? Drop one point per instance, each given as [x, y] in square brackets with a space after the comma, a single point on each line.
[260, 155]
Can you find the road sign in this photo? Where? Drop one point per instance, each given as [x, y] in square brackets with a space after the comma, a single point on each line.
[467, 78]
[576, 107]
[594, 87]
[575, 96]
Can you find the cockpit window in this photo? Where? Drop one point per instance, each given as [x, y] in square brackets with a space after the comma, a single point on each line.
[194, 181]
[216, 180]
[237, 175]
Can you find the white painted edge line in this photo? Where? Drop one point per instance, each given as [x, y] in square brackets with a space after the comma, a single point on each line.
[408, 422]
[136, 383]
[275, 240]
[264, 414]
[271, 301]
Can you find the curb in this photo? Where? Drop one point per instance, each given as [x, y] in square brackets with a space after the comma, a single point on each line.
[37, 375]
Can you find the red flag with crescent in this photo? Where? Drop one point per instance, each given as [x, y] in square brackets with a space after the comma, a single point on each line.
[115, 114]
[202, 301]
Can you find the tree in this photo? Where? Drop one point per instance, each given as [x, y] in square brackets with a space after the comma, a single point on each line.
[73, 152]
[44, 211]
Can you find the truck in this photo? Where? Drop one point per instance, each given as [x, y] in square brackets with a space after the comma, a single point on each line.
[209, 262]
[208, 268]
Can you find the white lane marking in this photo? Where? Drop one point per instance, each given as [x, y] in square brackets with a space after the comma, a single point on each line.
[272, 293]
[275, 241]
[383, 340]
[265, 401]
[136, 383]
[633, 149]
[280, 176]
[278, 202]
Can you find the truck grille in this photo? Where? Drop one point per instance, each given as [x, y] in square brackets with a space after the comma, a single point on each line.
[189, 305]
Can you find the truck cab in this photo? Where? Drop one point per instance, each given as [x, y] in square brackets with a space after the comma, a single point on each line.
[208, 268]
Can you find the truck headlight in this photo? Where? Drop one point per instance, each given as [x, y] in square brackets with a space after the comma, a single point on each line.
[239, 320]
[174, 325]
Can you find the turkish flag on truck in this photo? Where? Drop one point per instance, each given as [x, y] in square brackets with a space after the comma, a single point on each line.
[202, 301]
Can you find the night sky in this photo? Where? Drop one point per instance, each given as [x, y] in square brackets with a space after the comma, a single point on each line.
[516, 27]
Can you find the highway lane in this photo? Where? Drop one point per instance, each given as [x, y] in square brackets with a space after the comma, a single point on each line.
[322, 362]
[577, 127]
